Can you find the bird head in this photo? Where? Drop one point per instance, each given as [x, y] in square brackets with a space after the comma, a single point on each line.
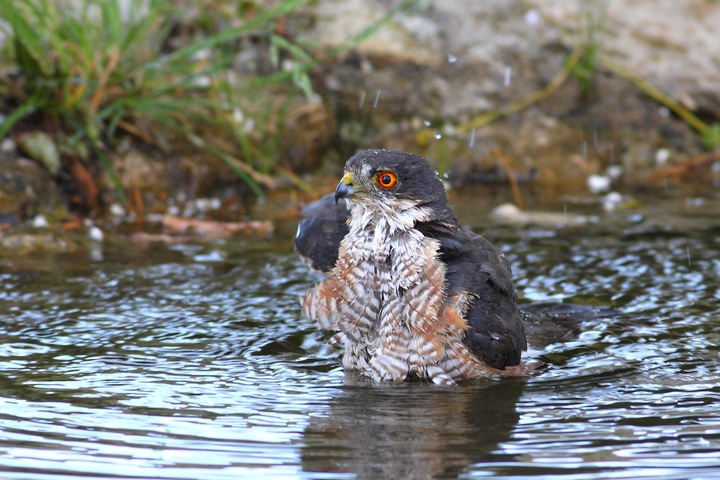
[392, 180]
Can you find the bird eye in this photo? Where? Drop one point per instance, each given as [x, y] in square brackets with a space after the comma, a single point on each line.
[386, 179]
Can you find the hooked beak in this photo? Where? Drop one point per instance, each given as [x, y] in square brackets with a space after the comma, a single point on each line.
[345, 187]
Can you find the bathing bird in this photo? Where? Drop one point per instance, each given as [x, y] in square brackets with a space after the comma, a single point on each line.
[409, 292]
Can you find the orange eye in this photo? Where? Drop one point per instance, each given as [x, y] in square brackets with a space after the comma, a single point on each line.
[386, 179]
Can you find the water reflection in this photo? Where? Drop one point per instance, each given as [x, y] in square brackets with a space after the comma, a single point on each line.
[411, 430]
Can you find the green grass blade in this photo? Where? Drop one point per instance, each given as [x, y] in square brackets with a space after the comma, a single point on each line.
[24, 110]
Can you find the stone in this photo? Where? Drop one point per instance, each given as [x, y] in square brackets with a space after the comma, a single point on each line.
[28, 190]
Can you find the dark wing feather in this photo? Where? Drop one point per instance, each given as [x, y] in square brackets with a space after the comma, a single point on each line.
[320, 232]
[474, 265]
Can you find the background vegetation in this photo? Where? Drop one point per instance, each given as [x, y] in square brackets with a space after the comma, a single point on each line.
[94, 70]
[85, 77]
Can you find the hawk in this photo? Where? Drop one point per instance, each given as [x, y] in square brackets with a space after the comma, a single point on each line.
[410, 292]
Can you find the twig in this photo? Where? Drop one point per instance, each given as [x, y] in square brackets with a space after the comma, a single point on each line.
[296, 180]
[139, 205]
[657, 95]
[560, 77]
[505, 162]
[104, 77]
[233, 162]
[133, 130]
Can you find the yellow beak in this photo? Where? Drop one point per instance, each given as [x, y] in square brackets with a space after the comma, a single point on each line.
[345, 187]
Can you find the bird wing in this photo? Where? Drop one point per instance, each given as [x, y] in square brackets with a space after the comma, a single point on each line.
[320, 232]
[477, 268]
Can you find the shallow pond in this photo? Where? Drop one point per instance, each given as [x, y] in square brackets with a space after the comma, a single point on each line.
[193, 361]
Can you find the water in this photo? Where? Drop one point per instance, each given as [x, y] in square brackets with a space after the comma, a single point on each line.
[193, 361]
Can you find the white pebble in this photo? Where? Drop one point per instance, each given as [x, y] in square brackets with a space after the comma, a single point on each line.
[207, 204]
[238, 116]
[116, 210]
[614, 171]
[154, 217]
[95, 234]
[662, 156]
[611, 201]
[40, 222]
[8, 145]
[203, 81]
[598, 183]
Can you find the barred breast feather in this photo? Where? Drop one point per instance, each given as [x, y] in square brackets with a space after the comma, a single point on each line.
[386, 299]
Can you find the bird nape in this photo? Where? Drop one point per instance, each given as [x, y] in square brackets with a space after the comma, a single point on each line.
[409, 293]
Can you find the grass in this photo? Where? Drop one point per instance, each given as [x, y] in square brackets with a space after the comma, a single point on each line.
[590, 43]
[93, 71]
[94, 67]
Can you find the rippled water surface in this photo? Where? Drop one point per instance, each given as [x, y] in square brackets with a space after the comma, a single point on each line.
[193, 361]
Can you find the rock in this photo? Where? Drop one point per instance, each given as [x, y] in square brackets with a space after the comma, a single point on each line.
[95, 234]
[40, 222]
[40, 147]
[26, 243]
[509, 214]
[599, 183]
[139, 171]
[8, 145]
[412, 42]
[27, 190]
[308, 132]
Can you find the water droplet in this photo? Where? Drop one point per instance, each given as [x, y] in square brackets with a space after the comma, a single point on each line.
[532, 17]
[362, 100]
[471, 143]
[426, 123]
[451, 58]
[508, 75]
[437, 135]
[446, 176]
[377, 99]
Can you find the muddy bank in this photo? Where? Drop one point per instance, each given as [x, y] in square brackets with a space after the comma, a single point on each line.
[444, 65]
